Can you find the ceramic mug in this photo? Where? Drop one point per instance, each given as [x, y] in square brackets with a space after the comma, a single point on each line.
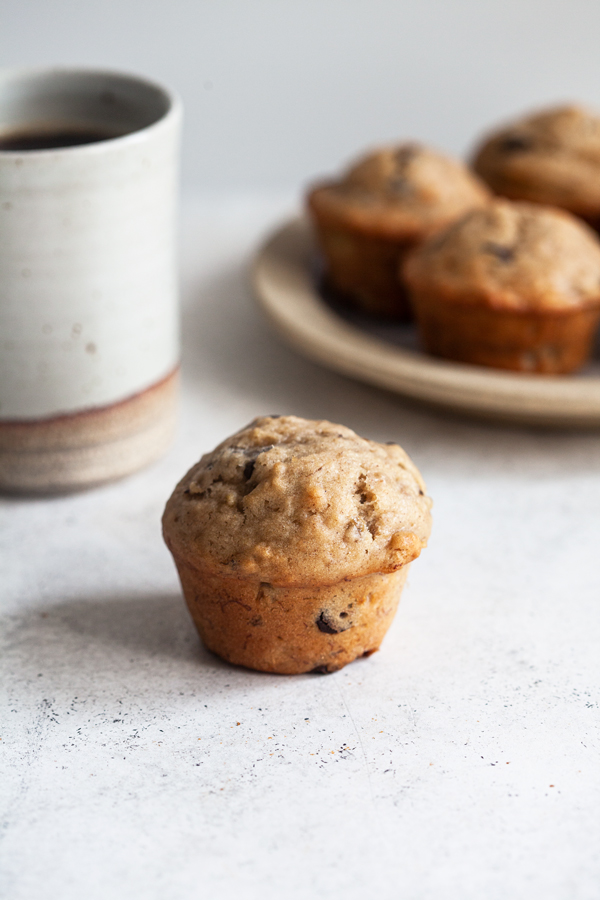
[89, 333]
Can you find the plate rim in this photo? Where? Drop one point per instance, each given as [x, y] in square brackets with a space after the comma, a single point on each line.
[284, 288]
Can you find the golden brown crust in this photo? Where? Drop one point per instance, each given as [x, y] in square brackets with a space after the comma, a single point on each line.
[292, 540]
[514, 286]
[296, 502]
[550, 157]
[513, 256]
[362, 271]
[290, 630]
[535, 342]
[384, 205]
[401, 193]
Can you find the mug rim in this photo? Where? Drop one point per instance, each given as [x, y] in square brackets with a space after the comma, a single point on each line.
[172, 113]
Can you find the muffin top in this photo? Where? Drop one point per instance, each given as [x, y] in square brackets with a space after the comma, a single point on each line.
[549, 157]
[509, 255]
[292, 501]
[404, 192]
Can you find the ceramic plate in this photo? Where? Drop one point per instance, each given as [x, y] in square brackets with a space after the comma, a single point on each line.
[286, 286]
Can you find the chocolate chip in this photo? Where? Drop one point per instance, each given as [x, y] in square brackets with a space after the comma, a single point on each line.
[406, 153]
[400, 185]
[506, 254]
[319, 670]
[515, 143]
[324, 625]
[251, 454]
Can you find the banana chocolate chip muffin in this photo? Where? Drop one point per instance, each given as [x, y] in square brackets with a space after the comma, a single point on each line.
[386, 203]
[515, 285]
[292, 540]
[550, 157]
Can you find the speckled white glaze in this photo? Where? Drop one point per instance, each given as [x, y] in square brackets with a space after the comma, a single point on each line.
[88, 294]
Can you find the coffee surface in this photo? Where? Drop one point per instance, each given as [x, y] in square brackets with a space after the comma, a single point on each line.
[50, 139]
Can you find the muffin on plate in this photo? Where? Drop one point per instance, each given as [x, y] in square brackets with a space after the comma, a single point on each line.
[292, 540]
[514, 285]
[386, 203]
[550, 157]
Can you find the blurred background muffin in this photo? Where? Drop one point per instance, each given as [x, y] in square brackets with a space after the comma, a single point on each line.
[384, 205]
[550, 157]
[514, 285]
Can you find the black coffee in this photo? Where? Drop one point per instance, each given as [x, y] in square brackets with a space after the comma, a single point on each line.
[48, 139]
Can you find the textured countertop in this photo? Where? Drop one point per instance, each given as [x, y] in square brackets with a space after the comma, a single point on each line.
[461, 762]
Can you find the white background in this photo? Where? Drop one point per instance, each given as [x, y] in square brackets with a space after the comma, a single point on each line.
[277, 91]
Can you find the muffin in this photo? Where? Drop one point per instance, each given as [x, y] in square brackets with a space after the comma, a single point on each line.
[292, 540]
[550, 157]
[514, 285]
[386, 203]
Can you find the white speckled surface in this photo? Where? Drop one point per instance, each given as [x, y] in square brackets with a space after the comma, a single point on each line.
[461, 762]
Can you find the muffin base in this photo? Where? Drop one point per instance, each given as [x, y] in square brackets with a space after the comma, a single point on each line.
[537, 342]
[363, 271]
[290, 629]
